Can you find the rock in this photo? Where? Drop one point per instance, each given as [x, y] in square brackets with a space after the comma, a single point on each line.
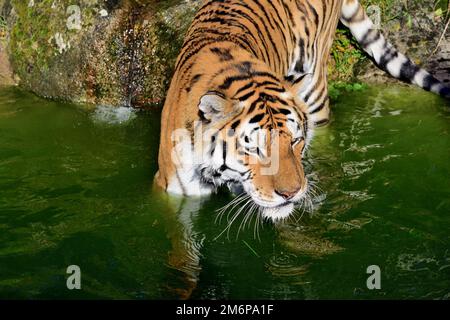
[6, 75]
[122, 52]
[102, 52]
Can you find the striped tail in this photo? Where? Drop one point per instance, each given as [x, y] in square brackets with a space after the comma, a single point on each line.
[385, 55]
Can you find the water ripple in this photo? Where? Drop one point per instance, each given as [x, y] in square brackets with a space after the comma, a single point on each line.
[286, 265]
[354, 169]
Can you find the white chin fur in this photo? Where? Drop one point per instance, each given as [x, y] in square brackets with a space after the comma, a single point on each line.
[277, 213]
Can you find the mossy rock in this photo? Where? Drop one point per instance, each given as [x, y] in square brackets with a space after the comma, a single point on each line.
[103, 52]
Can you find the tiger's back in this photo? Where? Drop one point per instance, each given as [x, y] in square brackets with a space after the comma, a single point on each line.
[293, 38]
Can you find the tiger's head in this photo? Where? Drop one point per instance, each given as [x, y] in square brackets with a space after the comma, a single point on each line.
[255, 144]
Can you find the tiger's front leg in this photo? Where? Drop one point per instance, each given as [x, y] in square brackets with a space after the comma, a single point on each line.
[313, 90]
[321, 117]
[186, 179]
[180, 169]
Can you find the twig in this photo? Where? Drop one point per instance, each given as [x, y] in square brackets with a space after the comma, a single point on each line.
[441, 38]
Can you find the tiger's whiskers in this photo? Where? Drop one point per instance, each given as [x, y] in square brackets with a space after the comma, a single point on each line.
[246, 219]
[235, 215]
[231, 205]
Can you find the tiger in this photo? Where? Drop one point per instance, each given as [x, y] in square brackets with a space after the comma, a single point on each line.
[253, 74]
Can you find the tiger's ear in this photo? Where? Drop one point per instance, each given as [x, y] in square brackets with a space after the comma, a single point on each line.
[212, 105]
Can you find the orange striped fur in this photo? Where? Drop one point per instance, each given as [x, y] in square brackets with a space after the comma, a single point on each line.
[262, 63]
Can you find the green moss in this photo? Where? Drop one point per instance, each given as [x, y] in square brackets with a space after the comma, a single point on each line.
[30, 36]
[336, 88]
[3, 26]
[43, 66]
[346, 54]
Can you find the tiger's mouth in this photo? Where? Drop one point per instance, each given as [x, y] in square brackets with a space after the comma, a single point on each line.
[279, 212]
[274, 211]
[270, 210]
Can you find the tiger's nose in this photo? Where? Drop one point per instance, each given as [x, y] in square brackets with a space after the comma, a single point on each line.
[287, 194]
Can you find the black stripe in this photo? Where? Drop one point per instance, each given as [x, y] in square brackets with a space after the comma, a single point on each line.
[224, 151]
[266, 74]
[235, 124]
[320, 96]
[227, 21]
[241, 14]
[224, 167]
[275, 89]
[321, 122]
[223, 54]
[369, 38]
[314, 12]
[408, 71]
[243, 42]
[445, 92]
[388, 55]
[253, 106]
[247, 86]
[230, 80]
[194, 80]
[284, 111]
[257, 118]
[300, 78]
[429, 81]
[246, 96]
[244, 67]
[318, 108]
[265, 83]
[300, 62]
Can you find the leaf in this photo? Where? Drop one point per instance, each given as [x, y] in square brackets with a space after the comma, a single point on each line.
[439, 12]
[409, 23]
[358, 86]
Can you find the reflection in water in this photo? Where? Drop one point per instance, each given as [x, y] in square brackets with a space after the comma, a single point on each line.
[186, 242]
[306, 241]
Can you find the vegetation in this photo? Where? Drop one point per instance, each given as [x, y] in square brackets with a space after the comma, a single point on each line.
[336, 88]
[3, 27]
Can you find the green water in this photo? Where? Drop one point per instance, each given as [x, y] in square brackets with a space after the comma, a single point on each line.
[76, 189]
